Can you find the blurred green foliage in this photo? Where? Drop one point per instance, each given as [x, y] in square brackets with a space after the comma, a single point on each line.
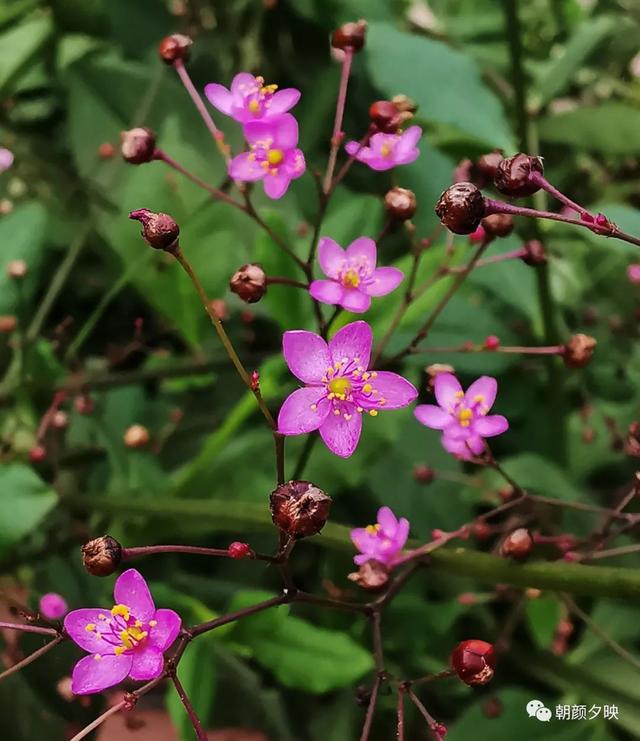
[73, 74]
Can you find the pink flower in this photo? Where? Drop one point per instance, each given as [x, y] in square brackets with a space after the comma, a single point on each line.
[387, 150]
[353, 276]
[382, 541]
[6, 159]
[53, 606]
[250, 99]
[463, 417]
[128, 640]
[274, 156]
[339, 388]
[633, 273]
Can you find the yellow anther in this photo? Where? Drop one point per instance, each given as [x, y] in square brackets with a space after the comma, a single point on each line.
[153, 623]
[374, 374]
[314, 408]
[102, 617]
[373, 412]
[367, 388]
[459, 394]
[275, 156]
[97, 657]
[347, 416]
[339, 387]
[254, 106]
[478, 398]
[122, 610]
[351, 279]
[366, 376]
[119, 650]
[336, 412]
[372, 529]
[90, 627]
[385, 150]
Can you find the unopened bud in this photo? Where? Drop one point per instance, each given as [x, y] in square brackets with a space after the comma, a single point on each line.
[136, 436]
[400, 203]
[238, 550]
[384, 116]
[53, 606]
[497, 225]
[219, 308]
[102, 556]
[138, 145]
[249, 283]
[480, 530]
[517, 545]
[299, 508]
[461, 208]
[632, 440]
[513, 176]
[491, 342]
[60, 420]
[474, 662]
[350, 36]
[578, 351]
[371, 575]
[83, 404]
[159, 230]
[487, 165]
[37, 454]
[17, 269]
[535, 253]
[423, 474]
[8, 324]
[106, 151]
[174, 47]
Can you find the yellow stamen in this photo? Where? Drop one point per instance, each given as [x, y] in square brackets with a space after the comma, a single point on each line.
[372, 529]
[367, 388]
[90, 627]
[153, 623]
[97, 657]
[122, 610]
[339, 387]
[351, 279]
[385, 150]
[254, 106]
[275, 156]
[373, 412]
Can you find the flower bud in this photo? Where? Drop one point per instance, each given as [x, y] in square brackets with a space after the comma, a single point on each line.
[474, 662]
[138, 145]
[578, 351]
[517, 545]
[159, 230]
[477, 236]
[480, 530]
[513, 176]
[461, 208]
[136, 436]
[497, 225]
[384, 116]
[83, 404]
[8, 324]
[219, 307]
[632, 440]
[102, 556]
[423, 474]
[53, 606]
[350, 36]
[249, 282]
[400, 204]
[487, 165]
[37, 454]
[535, 253]
[238, 550]
[106, 151]
[404, 103]
[299, 508]
[17, 269]
[372, 576]
[60, 420]
[491, 342]
[174, 47]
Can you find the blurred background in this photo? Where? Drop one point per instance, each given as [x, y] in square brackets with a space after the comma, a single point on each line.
[119, 329]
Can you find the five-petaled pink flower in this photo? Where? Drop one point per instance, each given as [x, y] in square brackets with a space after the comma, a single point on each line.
[53, 606]
[128, 640]
[383, 541]
[461, 416]
[633, 272]
[353, 276]
[274, 156]
[339, 388]
[250, 99]
[385, 151]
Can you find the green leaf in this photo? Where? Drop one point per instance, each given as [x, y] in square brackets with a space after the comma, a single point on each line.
[449, 89]
[540, 475]
[19, 45]
[25, 501]
[609, 128]
[301, 655]
[543, 615]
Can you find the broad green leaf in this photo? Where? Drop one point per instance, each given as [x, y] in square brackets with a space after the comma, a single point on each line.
[25, 499]
[542, 616]
[19, 45]
[445, 82]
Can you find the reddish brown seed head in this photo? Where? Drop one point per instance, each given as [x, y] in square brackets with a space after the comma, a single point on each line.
[238, 550]
[579, 350]
[299, 508]
[138, 145]
[102, 556]
[159, 230]
[461, 208]
[400, 204]
[174, 47]
[474, 662]
[350, 36]
[517, 544]
[249, 282]
[513, 175]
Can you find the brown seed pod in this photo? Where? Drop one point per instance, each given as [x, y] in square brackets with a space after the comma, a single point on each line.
[102, 556]
[174, 47]
[350, 36]
[400, 204]
[497, 225]
[138, 145]
[249, 283]
[517, 545]
[461, 208]
[535, 253]
[474, 662]
[578, 351]
[299, 508]
[159, 230]
[371, 575]
[513, 176]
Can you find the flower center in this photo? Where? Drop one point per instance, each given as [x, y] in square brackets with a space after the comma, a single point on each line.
[340, 387]
[254, 106]
[465, 416]
[373, 529]
[275, 156]
[350, 279]
[121, 629]
[386, 149]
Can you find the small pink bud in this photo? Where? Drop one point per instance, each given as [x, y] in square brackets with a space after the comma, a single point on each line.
[633, 273]
[423, 474]
[17, 269]
[238, 550]
[467, 598]
[255, 380]
[84, 404]
[53, 606]
[491, 342]
[478, 236]
[106, 151]
[37, 454]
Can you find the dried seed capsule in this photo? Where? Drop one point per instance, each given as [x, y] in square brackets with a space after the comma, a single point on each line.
[487, 165]
[350, 36]
[249, 282]
[299, 508]
[497, 225]
[513, 176]
[423, 474]
[578, 351]
[535, 253]
[517, 544]
[461, 208]
[138, 145]
[159, 230]
[371, 575]
[385, 116]
[474, 662]
[102, 556]
[174, 47]
[400, 204]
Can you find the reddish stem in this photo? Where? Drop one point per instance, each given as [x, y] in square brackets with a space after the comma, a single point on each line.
[337, 124]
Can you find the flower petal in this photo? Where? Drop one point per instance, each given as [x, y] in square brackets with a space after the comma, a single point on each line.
[285, 131]
[387, 521]
[396, 391]
[364, 247]
[167, 627]
[383, 281]
[148, 663]
[94, 675]
[357, 150]
[494, 424]
[243, 167]
[294, 164]
[447, 389]
[263, 131]
[341, 435]
[275, 186]
[483, 392]
[219, 97]
[131, 590]
[75, 623]
[352, 341]
[306, 354]
[408, 141]
[402, 533]
[327, 291]
[330, 256]
[457, 447]
[283, 100]
[354, 300]
[432, 416]
[296, 416]
[363, 540]
[243, 83]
